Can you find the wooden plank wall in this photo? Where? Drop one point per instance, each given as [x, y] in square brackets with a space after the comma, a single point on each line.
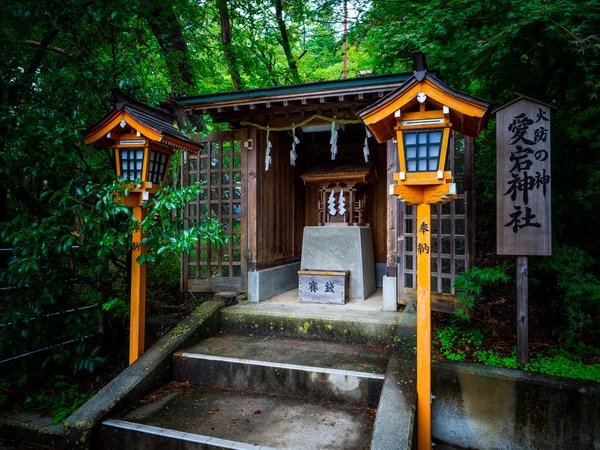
[276, 210]
[378, 197]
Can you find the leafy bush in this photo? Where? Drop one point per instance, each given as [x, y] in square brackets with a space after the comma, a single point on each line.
[61, 398]
[456, 342]
[563, 363]
[453, 336]
[88, 244]
[494, 358]
[471, 284]
[571, 268]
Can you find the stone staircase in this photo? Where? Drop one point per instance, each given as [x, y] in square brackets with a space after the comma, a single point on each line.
[267, 389]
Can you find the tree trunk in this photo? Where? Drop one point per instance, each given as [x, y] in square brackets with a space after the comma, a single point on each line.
[236, 78]
[285, 42]
[24, 83]
[166, 28]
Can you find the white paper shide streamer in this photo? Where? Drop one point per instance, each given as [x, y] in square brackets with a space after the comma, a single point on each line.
[331, 203]
[333, 141]
[293, 154]
[366, 146]
[342, 204]
[268, 153]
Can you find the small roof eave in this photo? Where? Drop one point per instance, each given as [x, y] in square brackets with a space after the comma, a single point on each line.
[474, 112]
[153, 124]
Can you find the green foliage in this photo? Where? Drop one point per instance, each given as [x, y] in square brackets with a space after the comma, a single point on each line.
[116, 306]
[457, 343]
[571, 269]
[493, 358]
[453, 336]
[564, 363]
[62, 398]
[471, 284]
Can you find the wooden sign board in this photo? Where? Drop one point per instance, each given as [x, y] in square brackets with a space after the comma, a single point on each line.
[524, 180]
[321, 286]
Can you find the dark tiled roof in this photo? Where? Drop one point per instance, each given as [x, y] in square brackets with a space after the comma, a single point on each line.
[158, 124]
[305, 88]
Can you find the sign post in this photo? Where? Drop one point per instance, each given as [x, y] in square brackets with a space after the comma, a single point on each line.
[523, 192]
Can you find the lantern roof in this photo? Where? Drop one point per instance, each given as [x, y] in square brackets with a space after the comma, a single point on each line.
[468, 115]
[151, 123]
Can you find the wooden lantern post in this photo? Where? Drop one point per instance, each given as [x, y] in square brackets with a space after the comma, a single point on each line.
[421, 115]
[137, 319]
[142, 139]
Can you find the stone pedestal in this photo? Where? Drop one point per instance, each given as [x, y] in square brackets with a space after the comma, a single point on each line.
[342, 248]
[390, 294]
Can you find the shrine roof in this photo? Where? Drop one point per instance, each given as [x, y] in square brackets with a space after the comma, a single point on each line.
[160, 122]
[352, 94]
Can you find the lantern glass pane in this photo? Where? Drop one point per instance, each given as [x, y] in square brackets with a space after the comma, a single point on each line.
[422, 150]
[435, 137]
[158, 166]
[132, 161]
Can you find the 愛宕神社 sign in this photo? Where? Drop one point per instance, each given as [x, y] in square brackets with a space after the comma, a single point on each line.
[524, 179]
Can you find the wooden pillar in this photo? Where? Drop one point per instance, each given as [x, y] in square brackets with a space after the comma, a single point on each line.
[424, 326]
[391, 212]
[522, 311]
[138, 291]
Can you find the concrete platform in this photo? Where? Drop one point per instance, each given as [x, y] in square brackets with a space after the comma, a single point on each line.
[217, 418]
[291, 299]
[359, 322]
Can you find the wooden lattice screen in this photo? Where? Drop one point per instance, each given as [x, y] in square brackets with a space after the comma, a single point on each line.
[452, 239]
[221, 165]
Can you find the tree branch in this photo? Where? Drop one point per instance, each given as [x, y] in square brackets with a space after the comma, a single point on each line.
[61, 51]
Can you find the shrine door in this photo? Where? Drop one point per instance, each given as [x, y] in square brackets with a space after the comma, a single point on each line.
[221, 168]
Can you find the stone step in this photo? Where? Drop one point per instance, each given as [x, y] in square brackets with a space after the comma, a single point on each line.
[348, 373]
[182, 416]
[338, 323]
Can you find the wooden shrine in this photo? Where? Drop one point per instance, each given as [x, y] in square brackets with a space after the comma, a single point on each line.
[269, 180]
[342, 194]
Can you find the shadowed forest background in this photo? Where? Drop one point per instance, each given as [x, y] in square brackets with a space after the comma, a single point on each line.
[60, 59]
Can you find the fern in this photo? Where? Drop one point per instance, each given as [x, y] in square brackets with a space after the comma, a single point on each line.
[470, 285]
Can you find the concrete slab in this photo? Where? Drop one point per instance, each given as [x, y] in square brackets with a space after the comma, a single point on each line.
[290, 299]
[342, 248]
[355, 322]
[119, 434]
[30, 429]
[264, 284]
[331, 355]
[257, 419]
[314, 369]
